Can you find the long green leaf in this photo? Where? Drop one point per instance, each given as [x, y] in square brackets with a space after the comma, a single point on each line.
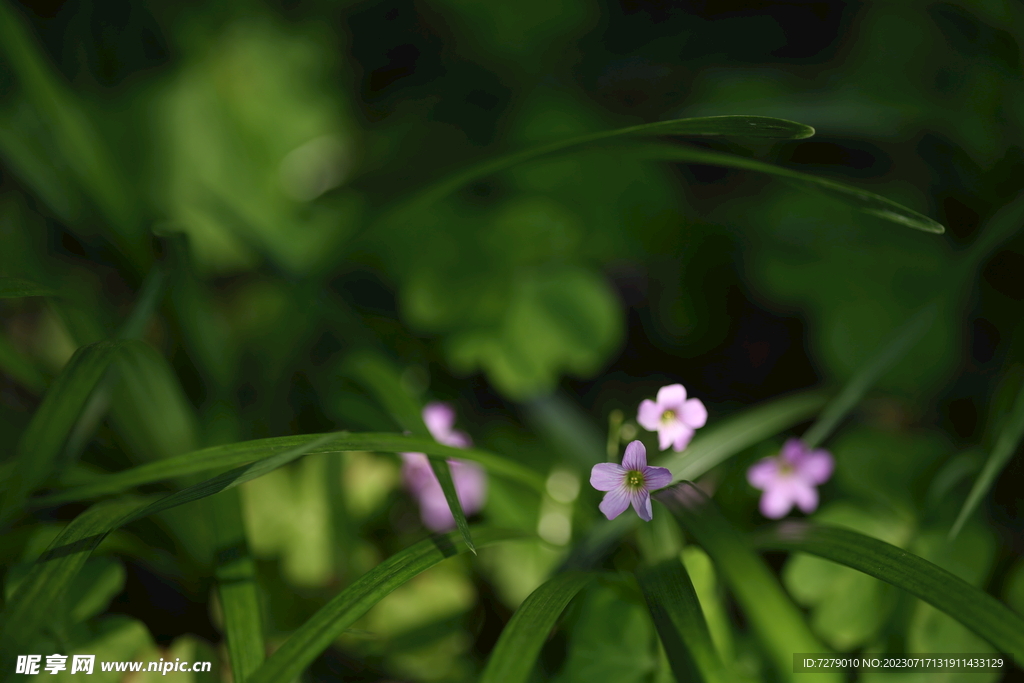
[376, 373]
[36, 598]
[236, 585]
[778, 623]
[975, 609]
[314, 636]
[66, 555]
[898, 345]
[15, 288]
[862, 200]
[231, 455]
[1009, 439]
[708, 126]
[717, 443]
[516, 651]
[51, 424]
[680, 622]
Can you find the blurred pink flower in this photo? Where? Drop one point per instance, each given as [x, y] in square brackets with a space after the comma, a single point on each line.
[673, 416]
[628, 483]
[469, 478]
[790, 478]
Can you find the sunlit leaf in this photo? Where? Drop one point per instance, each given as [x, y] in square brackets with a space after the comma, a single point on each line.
[680, 620]
[975, 609]
[314, 636]
[901, 341]
[235, 572]
[862, 200]
[777, 622]
[1006, 446]
[515, 653]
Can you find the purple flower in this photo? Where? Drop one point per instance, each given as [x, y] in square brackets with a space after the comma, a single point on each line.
[628, 483]
[790, 478]
[469, 478]
[673, 416]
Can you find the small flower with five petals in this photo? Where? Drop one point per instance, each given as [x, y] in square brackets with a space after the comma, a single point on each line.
[673, 416]
[791, 478]
[630, 482]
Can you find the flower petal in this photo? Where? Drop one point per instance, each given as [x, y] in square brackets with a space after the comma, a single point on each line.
[776, 501]
[694, 414]
[671, 397]
[615, 502]
[656, 478]
[764, 473]
[665, 438]
[435, 513]
[416, 472]
[815, 467]
[635, 457]
[439, 418]
[649, 415]
[455, 438]
[682, 439]
[793, 450]
[641, 501]
[606, 476]
[805, 496]
[470, 484]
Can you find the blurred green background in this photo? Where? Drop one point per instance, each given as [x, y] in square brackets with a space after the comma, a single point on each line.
[255, 151]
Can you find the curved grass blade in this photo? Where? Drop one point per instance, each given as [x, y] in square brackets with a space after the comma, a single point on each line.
[231, 455]
[43, 439]
[236, 585]
[20, 368]
[707, 126]
[739, 432]
[516, 651]
[897, 346]
[862, 200]
[1009, 439]
[679, 619]
[778, 623]
[36, 598]
[376, 373]
[15, 288]
[975, 609]
[314, 636]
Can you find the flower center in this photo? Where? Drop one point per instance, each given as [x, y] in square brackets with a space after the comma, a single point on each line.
[668, 417]
[634, 479]
[785, 467]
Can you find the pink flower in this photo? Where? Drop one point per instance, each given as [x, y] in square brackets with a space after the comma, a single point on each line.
[673, 416]
[790, 478]
[628, 483]
[469, 478]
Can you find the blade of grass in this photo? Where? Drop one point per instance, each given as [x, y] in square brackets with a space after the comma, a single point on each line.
[20, 368]
[43, 439]
[973, 608]
[1009, 439]
[236, 585]
[36, 598]
[714, 445]
[314, 636]
[15, 288]
[378, 376]
[862, 200]
[778, 623]
[230, 455]
[709, 126]
[898, 345]
[679, 619]
[519, 644]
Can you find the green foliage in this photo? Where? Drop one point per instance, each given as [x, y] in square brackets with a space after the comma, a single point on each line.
[516, 651]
